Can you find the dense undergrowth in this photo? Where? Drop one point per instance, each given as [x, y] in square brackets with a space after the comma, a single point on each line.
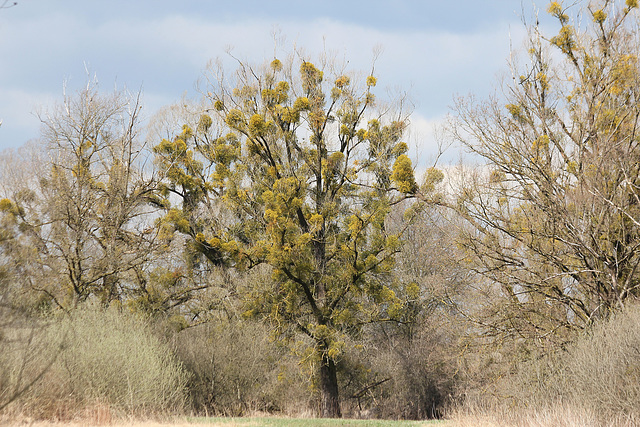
[108, 361]
[64, 365]
[592, 381]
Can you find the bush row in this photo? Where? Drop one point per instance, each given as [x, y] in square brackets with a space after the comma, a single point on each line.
[594, 380]
[113, 363]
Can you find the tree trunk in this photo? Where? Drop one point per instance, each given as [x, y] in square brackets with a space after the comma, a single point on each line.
[330, 402]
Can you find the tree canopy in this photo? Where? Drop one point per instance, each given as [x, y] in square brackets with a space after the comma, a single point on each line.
[554, 218]
[75, 208]
[296, 167]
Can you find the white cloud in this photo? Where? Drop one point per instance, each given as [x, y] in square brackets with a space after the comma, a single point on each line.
[18, 114]
[167, 55]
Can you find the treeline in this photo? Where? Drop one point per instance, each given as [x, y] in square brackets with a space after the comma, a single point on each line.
[268, 248]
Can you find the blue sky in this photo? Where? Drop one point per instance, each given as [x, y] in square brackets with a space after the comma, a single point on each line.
[431, 49]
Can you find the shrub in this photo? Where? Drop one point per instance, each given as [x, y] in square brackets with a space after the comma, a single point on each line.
[603, 367]
[237, 369]
[26, 354]
[408, 377]
[107, 358]
[598, 374]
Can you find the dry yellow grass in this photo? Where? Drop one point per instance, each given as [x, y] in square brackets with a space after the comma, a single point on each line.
[112, 423]
[559, 416]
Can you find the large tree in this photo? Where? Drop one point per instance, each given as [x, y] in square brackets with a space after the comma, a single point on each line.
[554, 214]
[294, 167]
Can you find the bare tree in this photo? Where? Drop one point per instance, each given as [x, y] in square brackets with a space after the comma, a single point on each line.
[78, 224]
[553, 216]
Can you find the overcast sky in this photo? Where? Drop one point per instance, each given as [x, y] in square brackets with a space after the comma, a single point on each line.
[432, 49]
